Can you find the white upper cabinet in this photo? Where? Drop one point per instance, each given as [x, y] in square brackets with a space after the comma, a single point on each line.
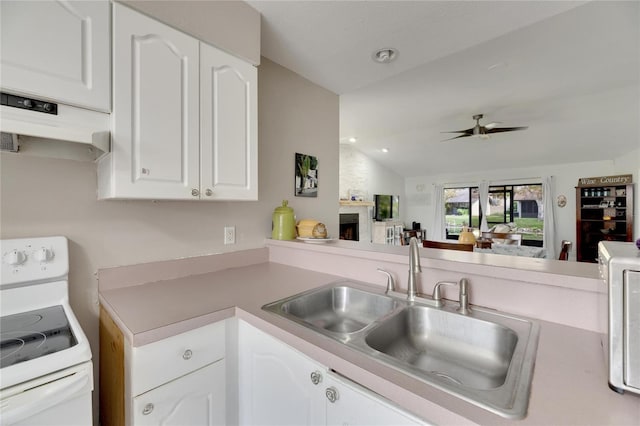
[173, 137]
[155, 121]
[228, 114]
[57, 50]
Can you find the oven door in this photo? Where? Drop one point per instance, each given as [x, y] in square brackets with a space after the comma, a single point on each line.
[61, 398]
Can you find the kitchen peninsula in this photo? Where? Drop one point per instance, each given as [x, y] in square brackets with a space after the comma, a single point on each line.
[150, 303]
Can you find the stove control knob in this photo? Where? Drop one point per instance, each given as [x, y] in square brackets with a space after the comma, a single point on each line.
[43, 255]
[15, 257]
[28, 103]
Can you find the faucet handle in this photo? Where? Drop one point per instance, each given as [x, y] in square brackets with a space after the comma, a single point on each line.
[437, 296]
[464, 308]
[391, 284]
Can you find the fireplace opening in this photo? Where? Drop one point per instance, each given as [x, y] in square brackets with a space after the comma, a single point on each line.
[349, 226]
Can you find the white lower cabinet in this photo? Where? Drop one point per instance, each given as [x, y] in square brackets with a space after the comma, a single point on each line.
[180, 380]
[194, 399]
[351, 404]
[280, 386]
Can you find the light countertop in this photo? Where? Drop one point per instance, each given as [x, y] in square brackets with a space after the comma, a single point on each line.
[569, 384]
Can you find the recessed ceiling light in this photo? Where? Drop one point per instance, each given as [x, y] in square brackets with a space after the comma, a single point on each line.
[385, 150]
[385, 55]
[353, 140]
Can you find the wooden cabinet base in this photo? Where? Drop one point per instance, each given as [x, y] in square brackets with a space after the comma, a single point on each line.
[111, 372]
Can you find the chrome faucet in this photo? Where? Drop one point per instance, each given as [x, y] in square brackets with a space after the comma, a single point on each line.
[414, 268]
[391, 284]
[437, 295]
[463, 296]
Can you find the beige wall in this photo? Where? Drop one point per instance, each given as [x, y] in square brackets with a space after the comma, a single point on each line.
[45, 196]
[233, 26]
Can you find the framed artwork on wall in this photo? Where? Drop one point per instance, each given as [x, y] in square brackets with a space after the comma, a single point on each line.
[306, 176]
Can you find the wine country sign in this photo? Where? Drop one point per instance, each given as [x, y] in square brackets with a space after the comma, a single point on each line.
[605, 180]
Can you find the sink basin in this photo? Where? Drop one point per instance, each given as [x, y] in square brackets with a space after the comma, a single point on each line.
[485, 357]
[339, 309]
[466, 351]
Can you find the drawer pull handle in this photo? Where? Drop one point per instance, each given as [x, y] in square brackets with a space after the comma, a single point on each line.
[187, 354]
[147, 409]
[316, 377]
[332, 394]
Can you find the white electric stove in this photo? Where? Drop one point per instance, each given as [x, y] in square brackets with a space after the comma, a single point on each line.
[46, 374]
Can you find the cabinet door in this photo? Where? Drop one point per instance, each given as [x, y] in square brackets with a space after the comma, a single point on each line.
[275, 382]
[349, 405]
[155, 109]
[228, 140]
[197, 398]
[57, 50]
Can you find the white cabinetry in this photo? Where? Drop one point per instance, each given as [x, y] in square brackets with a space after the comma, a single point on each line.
[352, 405]
[228, 136]
[387, 232]
[179, 380]
[57, 50]
[194, 399]
[279, 385]
[275, 382]
[155, 139]
[184, 119]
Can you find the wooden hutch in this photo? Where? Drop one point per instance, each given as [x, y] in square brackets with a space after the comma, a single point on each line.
[604, 211]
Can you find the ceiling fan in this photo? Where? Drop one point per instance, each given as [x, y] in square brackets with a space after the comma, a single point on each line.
[483, 131]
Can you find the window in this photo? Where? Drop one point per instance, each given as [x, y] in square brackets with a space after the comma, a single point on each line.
[519, 204]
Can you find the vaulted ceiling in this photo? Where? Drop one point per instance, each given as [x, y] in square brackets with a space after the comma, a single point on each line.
[568, 70]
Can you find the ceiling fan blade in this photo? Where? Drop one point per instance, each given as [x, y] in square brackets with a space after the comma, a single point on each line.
[506, 129]
[456, 137]
[467, 131]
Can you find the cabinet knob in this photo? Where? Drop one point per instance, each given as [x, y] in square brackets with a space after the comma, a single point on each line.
[187, 354]
[195, 192]
[145, 171]
[208, 192]
[147, 409]
[316, 377]
[332, 394]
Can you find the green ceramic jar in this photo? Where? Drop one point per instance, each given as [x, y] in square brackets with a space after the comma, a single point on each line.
[283, 223]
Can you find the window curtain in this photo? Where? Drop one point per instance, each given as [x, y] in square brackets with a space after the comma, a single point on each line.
[549, 208]
[437, 227]
[483, 192]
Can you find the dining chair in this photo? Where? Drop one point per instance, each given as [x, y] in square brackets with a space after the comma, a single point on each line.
[503, 238]
[565, 246]
[448, 246]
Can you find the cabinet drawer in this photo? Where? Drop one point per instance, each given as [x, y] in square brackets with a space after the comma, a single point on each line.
[160, 362]
[195, 399]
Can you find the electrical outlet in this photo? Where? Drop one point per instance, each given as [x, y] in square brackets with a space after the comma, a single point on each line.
[229, 234]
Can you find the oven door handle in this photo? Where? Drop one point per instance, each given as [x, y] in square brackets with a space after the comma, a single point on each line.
[32, 401]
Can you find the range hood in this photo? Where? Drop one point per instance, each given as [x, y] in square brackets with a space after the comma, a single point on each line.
[43, 119]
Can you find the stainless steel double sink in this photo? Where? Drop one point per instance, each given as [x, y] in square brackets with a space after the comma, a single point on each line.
[485, 357]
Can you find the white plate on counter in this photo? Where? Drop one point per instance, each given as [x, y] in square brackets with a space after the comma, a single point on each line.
[312, 240]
